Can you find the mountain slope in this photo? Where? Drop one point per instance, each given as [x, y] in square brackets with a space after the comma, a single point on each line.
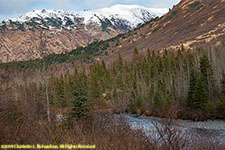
[64, 31]
[194, 23]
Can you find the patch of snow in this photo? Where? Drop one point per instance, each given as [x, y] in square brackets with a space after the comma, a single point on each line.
[130, 15]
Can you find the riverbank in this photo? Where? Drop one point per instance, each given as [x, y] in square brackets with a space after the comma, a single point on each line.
[211, 131]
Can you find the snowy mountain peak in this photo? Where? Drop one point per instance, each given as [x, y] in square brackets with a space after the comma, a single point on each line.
[119, 16]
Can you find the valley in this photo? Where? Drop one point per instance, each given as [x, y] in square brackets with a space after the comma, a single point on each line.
[64, 31]
[120, 77]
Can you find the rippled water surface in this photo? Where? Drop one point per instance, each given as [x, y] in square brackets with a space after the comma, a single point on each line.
[202, 130]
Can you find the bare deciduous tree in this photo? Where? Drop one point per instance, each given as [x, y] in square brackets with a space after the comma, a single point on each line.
[42, 51]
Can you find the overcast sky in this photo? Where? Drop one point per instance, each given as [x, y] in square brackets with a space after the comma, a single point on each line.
[15, 8]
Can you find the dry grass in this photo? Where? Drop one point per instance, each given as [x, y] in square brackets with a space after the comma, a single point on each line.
[101, 129]
[24, 121]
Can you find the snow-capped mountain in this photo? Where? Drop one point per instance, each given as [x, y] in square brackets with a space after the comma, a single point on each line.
[66, 30]
[124, 17]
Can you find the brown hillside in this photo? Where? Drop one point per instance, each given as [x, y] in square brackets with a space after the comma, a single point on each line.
[17, 45]
[194, 23]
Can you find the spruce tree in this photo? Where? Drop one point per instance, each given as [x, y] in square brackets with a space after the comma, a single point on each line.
[119, 63]
[201, 94]
[75, 72]
[182, 47]
[69, 83]
[94, 86]
[223, 85]
[81, 108]
[148, 54]
[205, 66]
[192, 86]
[60, 97]
[221, 103]
[136, 52]
[207, 74]
[103, 65]
[157, 100]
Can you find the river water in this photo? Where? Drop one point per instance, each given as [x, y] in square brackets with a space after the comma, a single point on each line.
[213, 131]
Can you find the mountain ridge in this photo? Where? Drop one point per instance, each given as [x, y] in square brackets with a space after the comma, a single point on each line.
[65, 31]
[193, 23]
[132, 15]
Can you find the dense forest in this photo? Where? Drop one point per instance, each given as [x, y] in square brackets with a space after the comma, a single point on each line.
[193, 81]
[74, 107]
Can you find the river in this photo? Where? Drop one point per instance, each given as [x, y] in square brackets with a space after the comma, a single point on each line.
[213, 131]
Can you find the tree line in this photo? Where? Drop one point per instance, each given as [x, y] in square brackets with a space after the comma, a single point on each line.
[193, 81]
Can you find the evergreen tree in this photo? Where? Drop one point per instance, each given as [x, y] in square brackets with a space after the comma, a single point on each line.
[207, 73]
[83, 77]
[221, 104]
[119, 63]
[192, 86]
[75, 72]
[223, 85]
[134, 91]
[94, 86]
[148, 54]
[182, 47]
[103, 65]
[81, 108]
[136, 52]
[60, 97]
[201, 94]
[69, 82]
[157, 100]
